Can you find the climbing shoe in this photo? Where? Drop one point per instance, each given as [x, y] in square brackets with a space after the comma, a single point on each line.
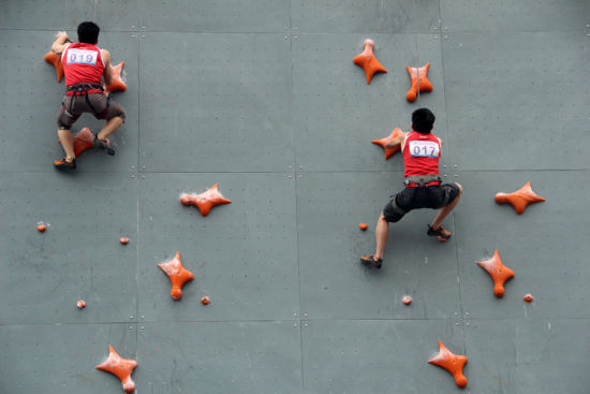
[63, 164]
[442, 234]
[370, 260]
[103, 144]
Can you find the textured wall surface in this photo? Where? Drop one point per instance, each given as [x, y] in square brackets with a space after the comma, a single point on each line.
[262, 97]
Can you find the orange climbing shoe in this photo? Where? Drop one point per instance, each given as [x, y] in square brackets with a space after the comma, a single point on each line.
[442, 234]
[370, 260]
[63, 164]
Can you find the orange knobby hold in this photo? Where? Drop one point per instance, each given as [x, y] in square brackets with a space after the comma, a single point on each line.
[363, 226]
[55, 59]
[205, 300]
[407, 300]
[368, 61]
[83, 141]
[178, 275]
[420, 82]
[206, 200]
[121, 368]
[117, 84]
[528, 298]
[520, 199]
[499, 273]
[41, 227]
[383, 141]
[452, 363]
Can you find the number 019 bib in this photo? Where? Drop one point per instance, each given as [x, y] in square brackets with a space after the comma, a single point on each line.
[424, 149]
[82, 56]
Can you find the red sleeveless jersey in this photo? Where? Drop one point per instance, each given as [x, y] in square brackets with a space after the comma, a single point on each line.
[82, 63]
[421, 154]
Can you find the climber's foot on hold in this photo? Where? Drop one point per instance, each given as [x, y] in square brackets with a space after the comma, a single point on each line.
[442, 234]
[103, 144]
[370, 260]
[65, 163]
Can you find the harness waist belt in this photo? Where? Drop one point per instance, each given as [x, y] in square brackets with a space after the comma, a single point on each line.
[84, 88]
[422, 180]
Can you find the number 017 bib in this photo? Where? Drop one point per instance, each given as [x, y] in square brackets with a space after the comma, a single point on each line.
[424, 149]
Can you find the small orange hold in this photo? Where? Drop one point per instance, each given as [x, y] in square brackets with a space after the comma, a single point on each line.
[178, 275]
[499, 273]
[520, 199]
[384, 141]
[121, 368]
[117, 84]
[124, 240]
[55, 59]
[368, 61]
[206, 200]
[407, 300]
[452, 363]
[81, 304]
[528, 298]
[363, 226]
[41, 227]
[83, 141]
[205, 300]
[420, 82]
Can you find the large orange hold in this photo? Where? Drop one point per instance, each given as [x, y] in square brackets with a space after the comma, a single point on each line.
[520, 199]
[420, 82]
[117, 84]
[206, 200]
[452, 363]
[178, 275]
[368, 61]
[83, 141]
[384, 141]
[121, 368]
[55, 59]
[499, 273]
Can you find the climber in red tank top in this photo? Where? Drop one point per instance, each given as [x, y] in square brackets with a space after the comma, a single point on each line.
[85, 66]
[421, 151]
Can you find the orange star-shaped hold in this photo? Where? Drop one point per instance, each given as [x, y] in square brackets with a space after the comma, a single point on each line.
[55, 59]
[83, 141]
[368, 61]
[206, 200]
[452, 363]
[178, 275]
[383, 141]
[420, 82]
[520, 199]
[121, 368]
[499, 273]
[117, 84]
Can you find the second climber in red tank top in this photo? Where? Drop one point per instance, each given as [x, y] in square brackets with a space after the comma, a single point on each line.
[421, 152]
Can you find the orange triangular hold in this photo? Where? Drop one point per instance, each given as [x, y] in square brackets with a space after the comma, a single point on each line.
[83, 141]
[368, 61]
[55, 59]
[383, 141]
[420, 82]
[520, 199]
[206, 200]
[499, 273]
[178, 275]
[452, 363]
[117, 84]
[121, 368]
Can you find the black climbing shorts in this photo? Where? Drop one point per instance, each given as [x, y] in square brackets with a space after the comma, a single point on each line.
[410, 198]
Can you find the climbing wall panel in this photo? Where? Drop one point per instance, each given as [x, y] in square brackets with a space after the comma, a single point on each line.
[338, 114]
[240, 253]
[226, 111]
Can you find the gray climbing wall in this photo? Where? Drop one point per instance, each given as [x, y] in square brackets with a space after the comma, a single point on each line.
[263, 98]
